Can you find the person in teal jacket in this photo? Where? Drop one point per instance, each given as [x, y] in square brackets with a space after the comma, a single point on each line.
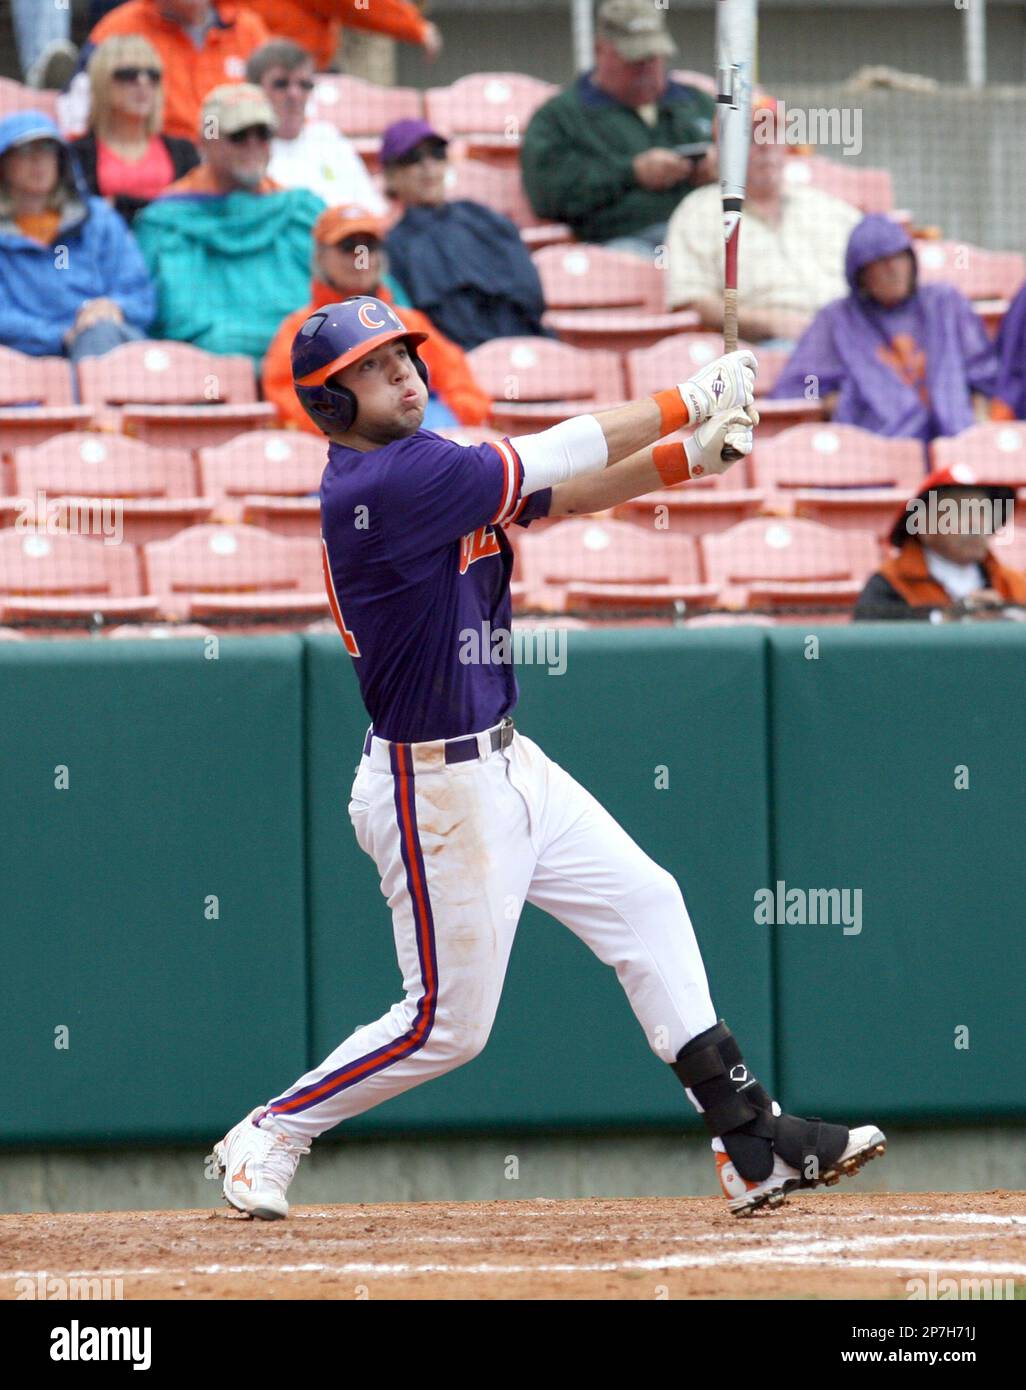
[228, 248]
[72, 279]
[604, 156]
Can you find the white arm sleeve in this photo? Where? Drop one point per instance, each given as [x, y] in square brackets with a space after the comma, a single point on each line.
[562, 452]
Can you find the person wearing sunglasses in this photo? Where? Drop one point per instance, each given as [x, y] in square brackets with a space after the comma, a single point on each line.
[307, 154]
[202, 44]
[461, 263]
[228, 247]
[123, 156]
[349, 259]
[72, 281]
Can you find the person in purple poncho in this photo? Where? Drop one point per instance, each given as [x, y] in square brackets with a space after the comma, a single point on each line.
[1009, 401]
[895, 357]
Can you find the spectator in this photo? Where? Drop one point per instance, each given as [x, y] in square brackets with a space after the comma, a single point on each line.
[1009, 401]
[315, 155]
[228, 248]
[601, 156]
[349, 259]
[894, 357]
[42, 33]
[123, 158]
[71, 276]
[317, 24]
[944, 569]
[793, 244]
[462, 264]
[202, 44]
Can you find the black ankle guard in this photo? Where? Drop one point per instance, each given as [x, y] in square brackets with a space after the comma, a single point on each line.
[738, 1110]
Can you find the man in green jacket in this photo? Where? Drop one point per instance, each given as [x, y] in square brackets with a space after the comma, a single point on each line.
[602, 155]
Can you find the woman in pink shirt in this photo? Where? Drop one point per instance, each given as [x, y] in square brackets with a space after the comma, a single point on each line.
[124, 157]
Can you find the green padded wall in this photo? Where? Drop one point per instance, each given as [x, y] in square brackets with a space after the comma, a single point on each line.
[184, 780]
[865, 744]
[566, 1048]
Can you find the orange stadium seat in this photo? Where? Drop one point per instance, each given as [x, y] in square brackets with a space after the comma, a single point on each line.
[978, 273]
[156, 487]
[869, 190]
[838, 474]
[992, 447]
[688, 78]
[500, 187]
[284, 462]
[695, 510]
[488, 111]
[14, 96]
[675, 358]
[597, 563]
[174, 393]
[770, 562]
[271, 478]
[607, 299]
[361, 110]
[68, 576]
[224, 572]
[535, 382]
[36, 400]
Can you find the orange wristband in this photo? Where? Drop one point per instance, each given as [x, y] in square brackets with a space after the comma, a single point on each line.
[671, 463]
[675, 414]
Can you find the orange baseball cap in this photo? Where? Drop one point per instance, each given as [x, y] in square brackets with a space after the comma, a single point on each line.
[335, 224]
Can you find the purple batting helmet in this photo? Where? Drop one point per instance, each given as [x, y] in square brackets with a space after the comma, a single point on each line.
[330, 340]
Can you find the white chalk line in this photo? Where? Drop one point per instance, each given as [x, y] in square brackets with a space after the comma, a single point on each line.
[781, 1249]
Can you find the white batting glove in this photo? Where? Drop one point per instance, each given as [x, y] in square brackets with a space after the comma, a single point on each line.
[725, 383]
[705, 447]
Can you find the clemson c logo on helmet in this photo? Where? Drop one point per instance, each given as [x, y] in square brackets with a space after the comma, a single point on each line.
[366, 316]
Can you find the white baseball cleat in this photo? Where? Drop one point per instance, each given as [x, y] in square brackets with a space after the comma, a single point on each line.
[258, 1163]
[745, 1197]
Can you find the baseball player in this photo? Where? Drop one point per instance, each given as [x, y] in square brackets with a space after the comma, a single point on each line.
[466, 818]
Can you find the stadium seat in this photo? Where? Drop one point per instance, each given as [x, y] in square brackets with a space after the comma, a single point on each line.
[487, 111]
[158, 631]
[68, 576]
[839, 475]
[832, 456]
[535, 382]
[978, 273]
[225, 572]
[156, 487]
[598, 563]
[361, 110]
[992, 447]
[693, 511]
[687, 77]
[771, 562]
[675, 358]
[606, 299]
[36, 400]
[500, 188]
[170, 393]
[869, 190]
[286, 462]
[15, 96]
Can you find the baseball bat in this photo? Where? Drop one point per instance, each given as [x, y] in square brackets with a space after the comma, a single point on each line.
[735, 58]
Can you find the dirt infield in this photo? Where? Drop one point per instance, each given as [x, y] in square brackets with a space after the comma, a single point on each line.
[816, 1246]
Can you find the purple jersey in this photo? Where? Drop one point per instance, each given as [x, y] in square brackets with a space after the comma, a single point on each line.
[416, 557]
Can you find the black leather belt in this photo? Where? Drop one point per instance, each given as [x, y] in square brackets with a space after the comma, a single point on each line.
[464, 750]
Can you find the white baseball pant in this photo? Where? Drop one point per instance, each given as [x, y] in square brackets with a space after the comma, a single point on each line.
[460, 848]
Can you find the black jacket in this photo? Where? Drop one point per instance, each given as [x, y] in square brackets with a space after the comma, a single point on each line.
[183, 158]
